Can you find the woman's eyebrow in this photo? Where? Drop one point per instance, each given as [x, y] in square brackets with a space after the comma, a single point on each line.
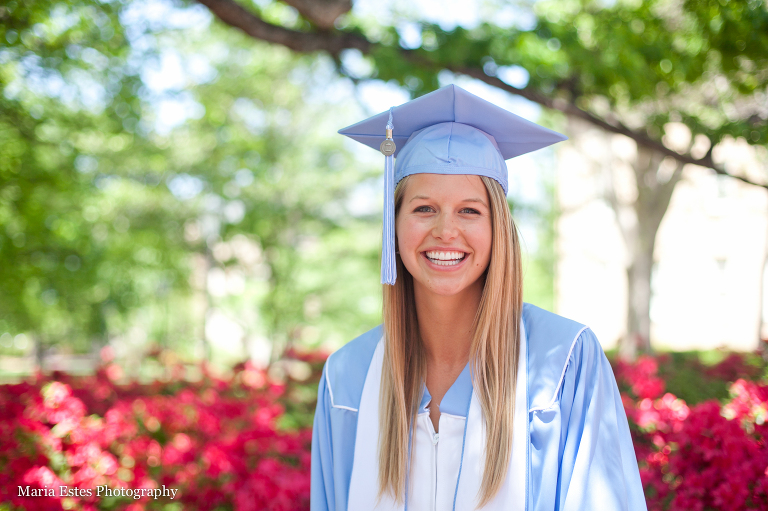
[471, 199]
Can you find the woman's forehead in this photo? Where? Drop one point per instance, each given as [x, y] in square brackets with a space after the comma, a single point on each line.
[445, 186]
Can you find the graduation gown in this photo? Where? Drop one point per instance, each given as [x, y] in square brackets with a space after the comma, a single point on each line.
[571, 446]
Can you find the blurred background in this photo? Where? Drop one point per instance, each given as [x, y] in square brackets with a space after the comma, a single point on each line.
[184, 237]
[171, 179]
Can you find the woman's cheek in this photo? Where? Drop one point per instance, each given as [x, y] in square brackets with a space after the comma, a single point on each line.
[410, 232]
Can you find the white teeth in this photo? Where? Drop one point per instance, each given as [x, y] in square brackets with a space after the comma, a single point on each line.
[445, 258]
[446, 263]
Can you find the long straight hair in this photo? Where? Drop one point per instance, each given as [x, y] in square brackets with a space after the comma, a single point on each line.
[494, 356]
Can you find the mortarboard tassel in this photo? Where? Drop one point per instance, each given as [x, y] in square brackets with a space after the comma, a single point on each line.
[388, 267]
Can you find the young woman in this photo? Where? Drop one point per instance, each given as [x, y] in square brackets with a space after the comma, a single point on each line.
[465, 398]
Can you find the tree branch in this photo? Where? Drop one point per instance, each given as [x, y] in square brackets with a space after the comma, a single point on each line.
[322, 13]
[571, 109]
[334, 42]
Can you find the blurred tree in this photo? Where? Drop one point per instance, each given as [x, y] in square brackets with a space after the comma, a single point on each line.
[653, 67]
[120, 186]
[275, 185]
[78, 243]
[631, 68]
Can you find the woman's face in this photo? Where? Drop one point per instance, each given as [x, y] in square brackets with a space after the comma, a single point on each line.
[444, 232]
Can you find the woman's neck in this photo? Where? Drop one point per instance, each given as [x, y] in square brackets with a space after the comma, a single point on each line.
[446, 324]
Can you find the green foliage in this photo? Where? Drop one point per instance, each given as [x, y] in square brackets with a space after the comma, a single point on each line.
[696, 376]
[700, 62]
[265, 146]
[108, 217]
[111, 220]
[641, 63]
[68, 192]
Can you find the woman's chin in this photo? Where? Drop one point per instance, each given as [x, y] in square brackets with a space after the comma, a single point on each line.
[445, 286]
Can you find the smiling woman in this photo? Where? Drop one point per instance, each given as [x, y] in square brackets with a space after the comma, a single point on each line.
[465, 397]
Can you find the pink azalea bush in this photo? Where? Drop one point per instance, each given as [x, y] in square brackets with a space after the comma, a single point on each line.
[217, 441]
[701, 457]
[243, 442]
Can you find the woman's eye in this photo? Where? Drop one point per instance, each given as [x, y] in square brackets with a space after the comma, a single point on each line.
[423, 209]
[470, 211]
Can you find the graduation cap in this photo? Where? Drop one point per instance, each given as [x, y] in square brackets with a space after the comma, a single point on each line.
[448, 131]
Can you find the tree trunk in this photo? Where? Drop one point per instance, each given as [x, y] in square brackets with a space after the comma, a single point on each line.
[762, 324]
[638, 333]
[639, 222]
[39, 352]
[205, 346]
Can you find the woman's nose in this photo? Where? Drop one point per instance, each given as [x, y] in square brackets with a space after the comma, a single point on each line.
[445, 227]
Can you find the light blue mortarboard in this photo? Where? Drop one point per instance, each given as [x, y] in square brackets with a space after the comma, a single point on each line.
[448, 131]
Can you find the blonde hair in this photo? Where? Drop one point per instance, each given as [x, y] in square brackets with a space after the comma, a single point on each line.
[494, 355]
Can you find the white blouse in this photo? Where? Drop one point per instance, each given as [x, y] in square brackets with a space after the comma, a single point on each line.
[436, 461]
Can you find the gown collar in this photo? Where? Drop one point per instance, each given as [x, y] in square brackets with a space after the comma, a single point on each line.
[456, 400]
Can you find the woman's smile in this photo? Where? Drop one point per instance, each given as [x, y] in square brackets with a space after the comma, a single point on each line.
[444, 258]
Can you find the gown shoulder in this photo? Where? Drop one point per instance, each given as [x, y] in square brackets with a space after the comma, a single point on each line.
[552, 340]
[346, 369]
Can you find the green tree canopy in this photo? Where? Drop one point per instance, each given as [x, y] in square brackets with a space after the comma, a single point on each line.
[628, 68]
[119, 186]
